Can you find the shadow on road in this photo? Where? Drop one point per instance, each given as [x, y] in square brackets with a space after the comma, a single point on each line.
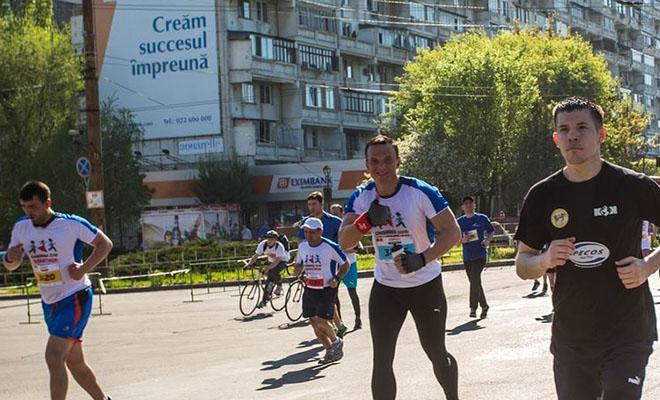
[304, 375]
[254, 317]
[534, 295]
[466, 327]
[545, 319]
[307, 343]
[298, 358]
[289, 325]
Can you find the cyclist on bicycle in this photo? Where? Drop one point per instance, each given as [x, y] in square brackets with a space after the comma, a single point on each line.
[277, 258]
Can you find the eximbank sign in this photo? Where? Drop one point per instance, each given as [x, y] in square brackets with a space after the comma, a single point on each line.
[160, 61]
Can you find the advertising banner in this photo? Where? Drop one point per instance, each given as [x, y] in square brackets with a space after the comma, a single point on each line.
[302, 182]
[160, 61]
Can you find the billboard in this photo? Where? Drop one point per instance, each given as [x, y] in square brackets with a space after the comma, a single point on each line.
[175, 227]
[160, 62]
[303, 182]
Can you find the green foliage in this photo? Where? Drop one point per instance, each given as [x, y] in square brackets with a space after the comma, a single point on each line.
[626, 124]
[224, 181]
[40, 79]
[124, 191]
[475, 113]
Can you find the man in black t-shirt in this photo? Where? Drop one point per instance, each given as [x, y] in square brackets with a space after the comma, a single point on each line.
[590, 214]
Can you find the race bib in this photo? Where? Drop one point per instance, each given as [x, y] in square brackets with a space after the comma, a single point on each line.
[472, 235]
[314, 282]
[48, 275]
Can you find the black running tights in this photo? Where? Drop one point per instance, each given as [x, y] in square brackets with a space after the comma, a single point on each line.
[388, 308]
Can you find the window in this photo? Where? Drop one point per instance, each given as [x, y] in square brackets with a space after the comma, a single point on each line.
[265, 131]
[329, 98]
[649, 60]
[348, 69]
[636, 55]
[368, 71]
[493, 6]
[648, 79]
[505, 9]
[382, 73]
[648, 39]
[265, 93]
[273, 49]
[359, 102]
[399, 39]
[314, 57]
[244, 9]
[608, 23]
[577, 12]
[386, 38]
[416, 11]
[313, 96]
[420, 41]
[320, 19]
[248, 93]
[561, 5]
[312, 138]
[262, 11]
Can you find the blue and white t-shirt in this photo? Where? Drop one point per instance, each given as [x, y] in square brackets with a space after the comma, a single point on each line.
[475, 228]
[272, 252]
[320, 262]
[331, 225]
[413, 205]
[52, 249]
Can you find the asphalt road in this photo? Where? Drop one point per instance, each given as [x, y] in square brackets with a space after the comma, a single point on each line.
[157, 346]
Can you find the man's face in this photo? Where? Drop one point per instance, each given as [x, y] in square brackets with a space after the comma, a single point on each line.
[336, 211]
[468, 206]
[313, 236]
[577, 137]
[271, 241]
[382, 162]
[315, 207]
[35, 209]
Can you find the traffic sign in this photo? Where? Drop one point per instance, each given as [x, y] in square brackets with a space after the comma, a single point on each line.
[83, 167]
[95, 199]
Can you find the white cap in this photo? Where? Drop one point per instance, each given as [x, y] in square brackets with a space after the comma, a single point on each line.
[313, 223]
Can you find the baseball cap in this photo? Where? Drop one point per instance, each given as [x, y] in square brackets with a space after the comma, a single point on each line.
[313, 223]
[272, 234]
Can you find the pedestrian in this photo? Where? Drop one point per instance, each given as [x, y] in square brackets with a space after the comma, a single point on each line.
[61, 274]
[477, 233]
[589, 214]
[407, 273]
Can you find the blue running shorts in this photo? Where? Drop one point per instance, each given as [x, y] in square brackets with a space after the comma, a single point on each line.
[351, 277]
[68, 317]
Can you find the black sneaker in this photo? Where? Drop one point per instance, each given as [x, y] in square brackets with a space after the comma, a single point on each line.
[536, 285]
[545, 288]
[341, 331]
[484, 311]
[329, 356]
[473, 313]
[358, 324]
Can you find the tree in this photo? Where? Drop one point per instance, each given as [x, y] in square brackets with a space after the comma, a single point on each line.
[40, 78]
[224, 181]
[124, 191]
[475, 118]
[626, 125]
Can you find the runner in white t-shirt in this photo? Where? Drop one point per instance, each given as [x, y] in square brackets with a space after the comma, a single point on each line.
[411, 226]
[325, 264]
[53, 243]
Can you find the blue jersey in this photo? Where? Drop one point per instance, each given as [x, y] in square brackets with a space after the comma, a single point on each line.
[475, 227]
[331, 226]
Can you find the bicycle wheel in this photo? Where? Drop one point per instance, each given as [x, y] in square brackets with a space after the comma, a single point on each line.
[250, 298]
[278, 298]
[294, 296]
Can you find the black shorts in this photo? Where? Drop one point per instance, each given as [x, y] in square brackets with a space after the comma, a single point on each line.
[616, 372]
[319, 303]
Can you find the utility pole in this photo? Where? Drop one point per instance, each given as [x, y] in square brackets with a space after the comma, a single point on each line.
[93, 115]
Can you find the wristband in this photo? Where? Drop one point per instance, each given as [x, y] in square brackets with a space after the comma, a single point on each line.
[362, 223]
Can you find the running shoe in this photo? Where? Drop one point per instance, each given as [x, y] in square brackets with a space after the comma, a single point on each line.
[341, 331]
[329, 356]
[278, 289]
[338, 348]
[358, 324]
[484, 311]
[536, 285]
[473, 313]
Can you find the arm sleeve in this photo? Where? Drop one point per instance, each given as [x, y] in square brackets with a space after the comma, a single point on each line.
[298, 257]
[488, 226]
[531, 229]
[433, 203]
[83, 229]
[260, 248]
[650, 205]
[339, 255]
[15, 237]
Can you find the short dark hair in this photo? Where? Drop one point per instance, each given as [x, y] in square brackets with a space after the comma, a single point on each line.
[337, 205]
[381, 139]
[576, 103]
[35, 188]
[318, 196]
[466, 198]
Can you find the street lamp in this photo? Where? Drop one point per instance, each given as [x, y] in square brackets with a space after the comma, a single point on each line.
[327, 190]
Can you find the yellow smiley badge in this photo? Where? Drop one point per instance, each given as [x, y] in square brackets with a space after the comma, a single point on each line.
[559, 218]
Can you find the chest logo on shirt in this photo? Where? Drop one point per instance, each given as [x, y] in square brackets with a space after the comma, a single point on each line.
[312, 259]
[399, 220]
[604, 211]
[589, 254]
[559, 218]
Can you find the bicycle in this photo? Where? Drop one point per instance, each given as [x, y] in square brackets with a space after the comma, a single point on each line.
[293, 301]
[251, 295]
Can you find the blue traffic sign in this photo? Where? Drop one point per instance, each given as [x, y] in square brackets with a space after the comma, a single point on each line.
[83, 167]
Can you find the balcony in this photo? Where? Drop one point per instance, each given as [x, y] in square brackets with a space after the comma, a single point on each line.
[359, 120]
[275, 71]
[320, 116]
[356, 47]
[318, 37]
[394, 55]
[318, 154]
